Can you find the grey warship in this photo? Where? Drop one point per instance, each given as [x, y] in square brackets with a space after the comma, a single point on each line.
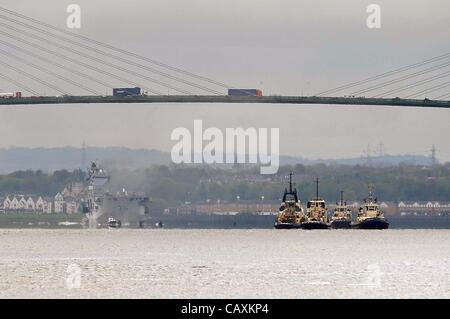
[103, 206]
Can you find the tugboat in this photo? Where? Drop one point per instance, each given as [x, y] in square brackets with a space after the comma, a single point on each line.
[291, 212]
[370, 215]
[342, 216]
[316, 212]
[114, 223]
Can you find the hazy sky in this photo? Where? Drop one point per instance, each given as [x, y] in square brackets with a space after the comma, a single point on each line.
[282, 46]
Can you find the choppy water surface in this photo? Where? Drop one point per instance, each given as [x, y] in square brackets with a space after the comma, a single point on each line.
[224, 263]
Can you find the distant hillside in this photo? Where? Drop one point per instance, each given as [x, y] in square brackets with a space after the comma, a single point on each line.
[50, 159]
[377, 161]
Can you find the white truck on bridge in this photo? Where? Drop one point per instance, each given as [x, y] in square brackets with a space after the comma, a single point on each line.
[17, 95]
[6, 95]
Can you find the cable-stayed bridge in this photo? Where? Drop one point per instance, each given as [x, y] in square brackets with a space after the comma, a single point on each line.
[51, 65]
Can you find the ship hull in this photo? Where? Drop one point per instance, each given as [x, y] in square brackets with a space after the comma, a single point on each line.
[131, 212]
[114, 224]
[314, 225]
[286, 226]
[371, 223]
[341, 224]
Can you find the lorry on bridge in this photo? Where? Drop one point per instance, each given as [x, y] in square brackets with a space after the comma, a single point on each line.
[244, 92]
[16, 95]
[128, 92]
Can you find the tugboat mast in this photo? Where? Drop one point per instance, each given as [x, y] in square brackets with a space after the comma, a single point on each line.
[317, 188]
[290, 182]
[370, 192]
[291, 213]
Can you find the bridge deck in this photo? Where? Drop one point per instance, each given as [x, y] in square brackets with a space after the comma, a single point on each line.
[224, 99]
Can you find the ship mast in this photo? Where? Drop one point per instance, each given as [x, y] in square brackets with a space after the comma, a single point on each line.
[370, 198]
[290, 182]
[370, 192]
[342, 197]
[317, 188]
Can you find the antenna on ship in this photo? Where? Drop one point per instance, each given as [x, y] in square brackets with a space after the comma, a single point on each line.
[433, 156]
[290, 181]
[370, 191]
[317, 187]
[83, 155]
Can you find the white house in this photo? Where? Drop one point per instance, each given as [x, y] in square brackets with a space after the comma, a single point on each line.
[58, 204]
[40, 204]
[48, 208]
[71, 206]
[14, 205]
[22, 203]
[6, 203]
[30, 205]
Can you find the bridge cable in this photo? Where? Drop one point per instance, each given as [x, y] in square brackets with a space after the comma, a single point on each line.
[23, 86]
[402, 78]
[90, 57]
[413, 85]
[122, 51]
[31, 76]
[46, 84]
[104, 53]
[54, 63]
[88, 66]
[45, 70]
[386, 74]
[443, 96]
[431, 89]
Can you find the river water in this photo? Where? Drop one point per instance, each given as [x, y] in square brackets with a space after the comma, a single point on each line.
[224, 263]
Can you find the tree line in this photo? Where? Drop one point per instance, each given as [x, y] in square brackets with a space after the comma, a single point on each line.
[173, 185]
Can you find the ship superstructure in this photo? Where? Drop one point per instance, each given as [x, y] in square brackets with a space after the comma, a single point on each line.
[291, 212]
[342, 215]
[316, 212]
[128, 209]
[369, 215]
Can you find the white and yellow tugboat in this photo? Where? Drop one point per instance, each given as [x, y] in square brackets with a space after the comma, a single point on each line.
[370, 215]
[342, 215]
[316, 212]
[291, 213]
